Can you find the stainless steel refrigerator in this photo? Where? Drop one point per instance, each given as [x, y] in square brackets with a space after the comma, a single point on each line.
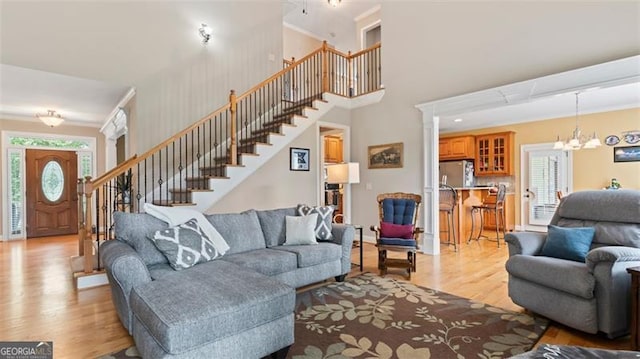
[458, 174]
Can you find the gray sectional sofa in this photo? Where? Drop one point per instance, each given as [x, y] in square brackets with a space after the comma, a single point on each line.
[240, 305]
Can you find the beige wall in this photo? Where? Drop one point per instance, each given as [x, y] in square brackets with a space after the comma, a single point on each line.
[592, 168]
[38, 127]
[296, 44]
[273, 185]
[434, 50]
[365, 23]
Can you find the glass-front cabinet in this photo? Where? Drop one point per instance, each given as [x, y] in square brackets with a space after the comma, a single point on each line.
[494, 154]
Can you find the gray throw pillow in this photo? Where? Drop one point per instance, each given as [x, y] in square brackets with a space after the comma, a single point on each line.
[185, 245]
[325, 215]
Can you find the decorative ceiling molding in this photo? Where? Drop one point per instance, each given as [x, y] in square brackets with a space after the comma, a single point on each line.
[608, 86]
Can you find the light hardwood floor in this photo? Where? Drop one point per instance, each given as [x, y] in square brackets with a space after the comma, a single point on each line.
[38, 300]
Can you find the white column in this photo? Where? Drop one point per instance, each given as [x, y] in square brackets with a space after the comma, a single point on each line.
[110, 153]
[431, 238]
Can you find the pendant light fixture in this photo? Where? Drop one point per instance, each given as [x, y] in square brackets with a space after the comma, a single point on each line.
[577, 141]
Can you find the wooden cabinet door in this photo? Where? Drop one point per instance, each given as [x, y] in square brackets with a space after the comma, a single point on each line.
[502, 154]
[483, 158]
[458, 147]
[494, 154]
[332, 149]
[444, 149]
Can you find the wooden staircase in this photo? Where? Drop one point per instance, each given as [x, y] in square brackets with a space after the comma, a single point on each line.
[248, 147]
[199, 165]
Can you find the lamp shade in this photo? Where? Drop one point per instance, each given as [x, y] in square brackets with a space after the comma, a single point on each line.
[344, 173]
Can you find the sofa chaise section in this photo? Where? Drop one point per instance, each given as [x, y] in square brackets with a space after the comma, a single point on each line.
[208, 310]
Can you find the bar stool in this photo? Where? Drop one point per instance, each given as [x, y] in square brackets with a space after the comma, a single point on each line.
[448, 201]
[497, 208]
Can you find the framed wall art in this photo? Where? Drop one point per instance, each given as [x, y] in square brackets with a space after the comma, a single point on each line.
[389, 155]
[626, 154]
[299, 159]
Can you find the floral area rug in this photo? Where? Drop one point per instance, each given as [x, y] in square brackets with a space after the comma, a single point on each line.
[369, 316]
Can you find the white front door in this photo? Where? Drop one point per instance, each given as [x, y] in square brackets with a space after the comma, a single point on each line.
[545, 173]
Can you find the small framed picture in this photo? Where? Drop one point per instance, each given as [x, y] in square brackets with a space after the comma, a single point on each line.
[626, 154]
[385, 156]
[299, 159]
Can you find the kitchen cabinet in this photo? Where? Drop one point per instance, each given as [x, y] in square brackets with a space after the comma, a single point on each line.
[332, 149]
[494, 154]
[456, 148]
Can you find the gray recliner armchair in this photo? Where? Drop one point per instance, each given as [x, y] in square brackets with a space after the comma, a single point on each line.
[592, 296]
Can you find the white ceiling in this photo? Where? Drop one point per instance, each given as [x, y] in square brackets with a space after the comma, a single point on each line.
[604, 87]
[92, 53]
[25, 92]
[81, 58]
[337, 24]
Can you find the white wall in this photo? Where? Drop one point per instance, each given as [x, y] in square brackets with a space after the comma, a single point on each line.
[181, 94]
[273, 185]
[433, 50]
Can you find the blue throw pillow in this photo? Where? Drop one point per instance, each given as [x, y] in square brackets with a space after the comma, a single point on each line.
[568, 243]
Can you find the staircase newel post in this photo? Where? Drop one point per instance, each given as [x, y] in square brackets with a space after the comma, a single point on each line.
[81, 216]
[325, 67]
[234, 145]
[350, 73]
[88, 235]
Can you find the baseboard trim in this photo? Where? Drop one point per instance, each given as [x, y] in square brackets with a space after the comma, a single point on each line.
[90, 280]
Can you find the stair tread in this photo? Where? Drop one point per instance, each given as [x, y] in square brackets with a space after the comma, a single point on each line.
[171, 203]
[206, 177]
[188, 190]
[219, 166]
[260, 143]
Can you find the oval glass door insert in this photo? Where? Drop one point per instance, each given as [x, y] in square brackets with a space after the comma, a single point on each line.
[52, 181]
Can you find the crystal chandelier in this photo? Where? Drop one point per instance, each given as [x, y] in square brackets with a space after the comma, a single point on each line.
[577, 140]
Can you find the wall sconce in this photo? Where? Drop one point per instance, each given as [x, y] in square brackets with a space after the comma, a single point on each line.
[51, 118]
[205, 32]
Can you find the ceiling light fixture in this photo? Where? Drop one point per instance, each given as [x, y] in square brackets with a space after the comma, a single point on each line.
[577, 140]
[457, 120]
[51, 118]
[205, 32]
[334, 3]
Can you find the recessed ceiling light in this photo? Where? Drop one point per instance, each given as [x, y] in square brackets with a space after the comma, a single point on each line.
[457, 120]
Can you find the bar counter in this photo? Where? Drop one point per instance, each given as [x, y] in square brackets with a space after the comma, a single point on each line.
[470, 196]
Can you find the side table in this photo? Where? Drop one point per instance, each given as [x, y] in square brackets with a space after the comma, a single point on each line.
[359, 228]
[635, 310]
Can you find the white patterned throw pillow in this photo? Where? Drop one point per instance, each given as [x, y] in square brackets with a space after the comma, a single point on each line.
[185, 245]
[323, 225]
